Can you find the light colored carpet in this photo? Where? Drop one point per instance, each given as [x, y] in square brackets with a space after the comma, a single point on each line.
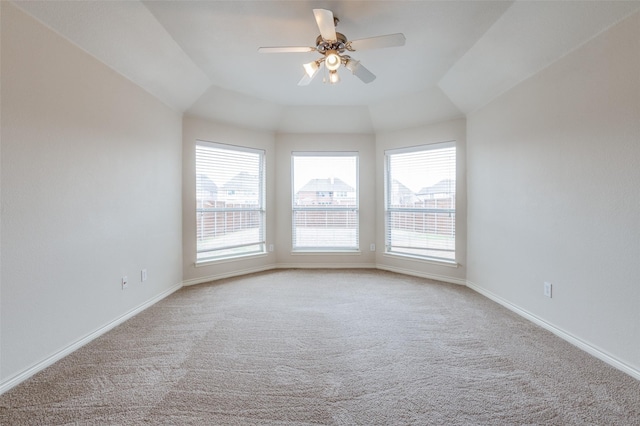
[326, 347]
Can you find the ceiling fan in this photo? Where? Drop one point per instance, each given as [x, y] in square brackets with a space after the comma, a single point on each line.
[332, 46]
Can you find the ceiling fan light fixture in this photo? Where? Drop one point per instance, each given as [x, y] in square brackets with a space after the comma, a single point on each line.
[332, 60]
[334, 77]
[352, 65]
[311, 68]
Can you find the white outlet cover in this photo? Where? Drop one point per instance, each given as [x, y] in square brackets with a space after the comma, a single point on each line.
[547, 289]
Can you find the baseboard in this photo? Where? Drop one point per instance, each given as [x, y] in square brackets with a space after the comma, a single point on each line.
[24, 375]
[598, 353]
[236, 273]
[421, 274]
[574, 340]
[326, 266]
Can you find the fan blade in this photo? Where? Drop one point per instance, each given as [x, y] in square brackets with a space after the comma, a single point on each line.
[359, 71]
[390, 40]
[306, 79]
[364, 74]
[326, 24]
[284, 49]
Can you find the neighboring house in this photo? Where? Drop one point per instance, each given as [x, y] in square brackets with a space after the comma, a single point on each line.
[444, 189]
[206, 190]
[330, 191]
[241, 189]
[401, 195]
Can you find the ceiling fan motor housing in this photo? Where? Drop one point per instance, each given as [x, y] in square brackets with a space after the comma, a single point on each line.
[323, 46]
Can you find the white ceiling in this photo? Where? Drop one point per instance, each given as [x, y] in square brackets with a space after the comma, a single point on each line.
[201, 57]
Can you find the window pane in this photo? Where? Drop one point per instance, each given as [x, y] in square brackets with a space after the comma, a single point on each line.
[325, 202]
[230, 201]
[325, 229]
[420, 193]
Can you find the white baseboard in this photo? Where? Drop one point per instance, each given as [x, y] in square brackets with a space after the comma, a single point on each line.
[421, 274]
[587, 347]
[326, 266]
[236, 273]
[574, 340]
[25, 374]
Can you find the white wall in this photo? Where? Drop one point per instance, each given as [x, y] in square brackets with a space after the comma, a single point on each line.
[554, 178]
[364, 145]
[90, 192]
[453, 130]
[194, 129]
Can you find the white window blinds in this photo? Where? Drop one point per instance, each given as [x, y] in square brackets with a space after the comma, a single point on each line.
[420, 198]
[325, 201]
[230, 209]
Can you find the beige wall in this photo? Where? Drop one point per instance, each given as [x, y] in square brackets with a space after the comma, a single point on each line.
[454, 130]
[554, 178]
[90, 192]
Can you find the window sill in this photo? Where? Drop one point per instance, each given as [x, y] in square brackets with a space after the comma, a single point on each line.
[209, 262]
[448, 263]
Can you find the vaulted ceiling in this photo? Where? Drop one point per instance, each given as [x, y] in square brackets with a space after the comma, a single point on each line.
[201, 57]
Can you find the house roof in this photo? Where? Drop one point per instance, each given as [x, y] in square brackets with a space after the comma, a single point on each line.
[400, 188]
[204, 183]
[326, 185]
[243, 181]
[445, 186]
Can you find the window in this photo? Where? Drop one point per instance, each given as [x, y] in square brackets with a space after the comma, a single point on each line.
[325, 201]
[420, 201]
[230, 209]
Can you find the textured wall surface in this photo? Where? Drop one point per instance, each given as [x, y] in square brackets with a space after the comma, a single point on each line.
[91, 192]
[553, 194]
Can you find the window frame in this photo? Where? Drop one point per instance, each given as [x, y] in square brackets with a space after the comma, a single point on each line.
[319, 208]
[225, 252]
[395, 250]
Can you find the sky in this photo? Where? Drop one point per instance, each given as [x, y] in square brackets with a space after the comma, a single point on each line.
[307, 168]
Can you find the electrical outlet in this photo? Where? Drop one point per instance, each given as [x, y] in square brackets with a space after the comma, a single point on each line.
[143, 275]
[547, 289]
[372, 247]
[125, 282]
